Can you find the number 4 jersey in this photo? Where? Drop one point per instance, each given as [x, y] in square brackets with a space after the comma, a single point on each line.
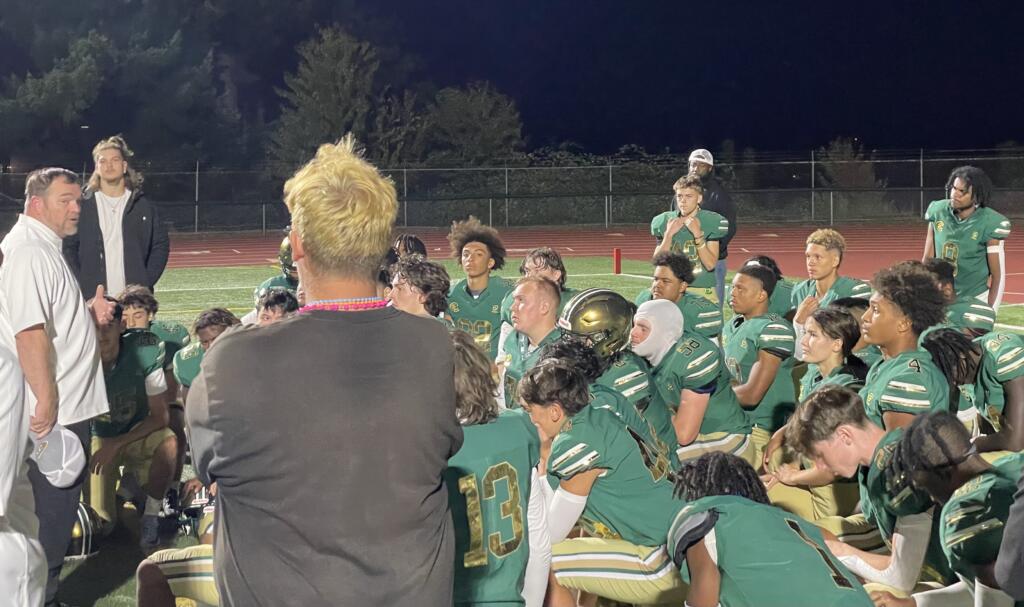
[489, 490]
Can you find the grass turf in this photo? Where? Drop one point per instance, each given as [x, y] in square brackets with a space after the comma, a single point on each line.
[108, 578]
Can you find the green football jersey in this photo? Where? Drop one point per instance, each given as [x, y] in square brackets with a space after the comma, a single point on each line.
[479, 316]
[630, 375]
[843, 287]
[1002, 360]
[964, 243]
[274, 282]
[656, 453]
[506, 304]
[781, 300]
[696, 364]
[766, 556]
[881, 508]
[629, 501]
[813, 379]
[186, 363]
[870, 354]
[973, 518]
[174, 335]
[714, 226]
[970, 313]
[742, 340]
[700, 316]
[519, 358]
[906, 383]
[141, 354]
[488, 484]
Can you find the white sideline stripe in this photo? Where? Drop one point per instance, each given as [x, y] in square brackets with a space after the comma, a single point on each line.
[249, 287]
[1011, 327]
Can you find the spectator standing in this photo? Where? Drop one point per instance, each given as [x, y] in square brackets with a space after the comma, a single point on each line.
[53, 334]
[716, 200]
[120, 240]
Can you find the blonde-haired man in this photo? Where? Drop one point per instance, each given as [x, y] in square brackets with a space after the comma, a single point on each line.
[120, 239]
[824, 255]
[334, 488]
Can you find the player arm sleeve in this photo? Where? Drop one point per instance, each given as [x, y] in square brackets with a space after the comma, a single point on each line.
[909, 544]
[985, 596]
[156, 382]
[798, 332]
[956, 595]
[564, 511]
[536, 581]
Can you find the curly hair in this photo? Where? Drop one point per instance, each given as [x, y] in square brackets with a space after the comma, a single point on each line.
[830, 239]
[555, 381]
[545, 257]
[718, 473]
[278, 298]
[957, 356]
[576, 352]
[139, 296]
[429, 277]
[680, 265]
[474, 384]
[471, 230]
[215, 317]
[976, 179]
[411, 244]
[912, 289]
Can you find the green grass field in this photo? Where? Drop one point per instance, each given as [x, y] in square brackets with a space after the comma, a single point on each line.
[108, 578]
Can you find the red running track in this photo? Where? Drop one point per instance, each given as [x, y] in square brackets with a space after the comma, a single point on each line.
[869, 247]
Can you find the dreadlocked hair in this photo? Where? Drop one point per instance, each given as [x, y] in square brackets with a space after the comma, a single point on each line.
[912, 289]
[957, 356]
[718, 473]
[471, 230]
[934, 444]
[976, 180]
[574, 351]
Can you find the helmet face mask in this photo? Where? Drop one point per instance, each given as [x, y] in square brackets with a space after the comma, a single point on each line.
[85, 534]
[601, 317]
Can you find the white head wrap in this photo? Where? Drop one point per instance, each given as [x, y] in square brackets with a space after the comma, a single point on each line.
[666, 328]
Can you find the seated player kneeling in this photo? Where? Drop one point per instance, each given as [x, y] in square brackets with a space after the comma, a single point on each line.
[134, 434]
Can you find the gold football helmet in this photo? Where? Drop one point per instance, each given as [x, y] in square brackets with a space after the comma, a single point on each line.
[284, 256]
[603, 317]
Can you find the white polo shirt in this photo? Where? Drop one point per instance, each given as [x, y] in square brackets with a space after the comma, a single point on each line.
[37, 287]
[111, 216]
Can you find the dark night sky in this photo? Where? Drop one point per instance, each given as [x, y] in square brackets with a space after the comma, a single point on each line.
[773, 75]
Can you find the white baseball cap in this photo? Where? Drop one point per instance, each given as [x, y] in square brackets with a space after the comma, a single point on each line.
[59, 456]
[702, 155]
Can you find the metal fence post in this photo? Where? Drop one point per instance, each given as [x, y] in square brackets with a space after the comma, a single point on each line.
[506, 196]
[263, 211]
[196, 217]
[610, 199]
[831, 207]
[405, 197]
[812, 185]
[920, 205]
[490, 211]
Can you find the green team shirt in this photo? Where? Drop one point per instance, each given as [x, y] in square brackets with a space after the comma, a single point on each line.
[520, 357]
[696, 364]
[656, 454]
[699, 314]
[843, 287]
[565, 295]
[813, 379]
[275, 282]
[964, 243]
[881, 508]
[781, 300]
[186, 363]
[479, 316]
[741, 342]
[488, 484]
[714, 226]
[174, 335]
[906, 383]
[870, 354]
[766, 556]
[141, 354]
[973, 518]
[630, 375]
[971, 314]
[629, 501]
[1002, 360]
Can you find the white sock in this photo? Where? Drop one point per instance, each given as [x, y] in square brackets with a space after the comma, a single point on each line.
[153, 506]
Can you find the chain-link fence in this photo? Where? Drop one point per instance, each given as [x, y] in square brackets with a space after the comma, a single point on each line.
[807, 190]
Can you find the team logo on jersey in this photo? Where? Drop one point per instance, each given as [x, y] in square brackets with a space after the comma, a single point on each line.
[454, 307]
[995, 418]
[870, 399]
[495, 310]
[939, 225]
[974, 236]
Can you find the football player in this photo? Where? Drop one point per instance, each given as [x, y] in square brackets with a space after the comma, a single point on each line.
[493, 488]
[409, 244]
[692, 382]
[419, 287]
[604, 483]
[824, 255]
[830, 427]
[906, 382]
[546, 263]
[275, 304]
[869, 353]
[970, 235]
[759, 348]
[733, 548]
[474, 303]
[134, 434]
[673, 273]
[988, 373]
[975, 497]
[693, 232]
[968, 314]
[535, 319]
[208, 327]
[287, 279]
[780, 303]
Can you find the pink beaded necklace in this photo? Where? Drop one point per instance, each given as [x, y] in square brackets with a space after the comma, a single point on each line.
[345, 305]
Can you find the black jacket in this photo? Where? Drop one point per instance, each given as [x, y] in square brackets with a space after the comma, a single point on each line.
[717, 199]
[146, 245]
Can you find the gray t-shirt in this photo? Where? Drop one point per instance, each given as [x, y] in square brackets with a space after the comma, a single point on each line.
[328, 435]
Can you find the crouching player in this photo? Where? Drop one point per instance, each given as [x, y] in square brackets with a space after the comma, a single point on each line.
[735, 549]
[134, 434]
